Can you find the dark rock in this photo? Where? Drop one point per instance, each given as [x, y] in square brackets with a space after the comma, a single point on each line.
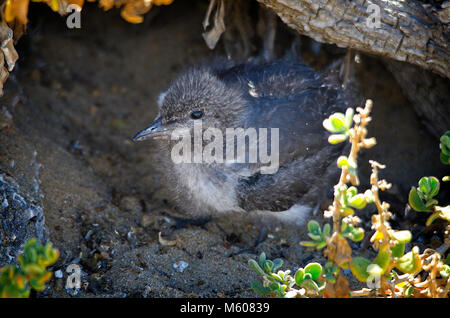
[22, 218]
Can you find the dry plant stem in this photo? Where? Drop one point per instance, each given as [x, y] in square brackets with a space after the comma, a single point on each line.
[337, 205]
[381, 224]
[433, 285]
[362, 292]
[432, 268]
[446, 290]
[357, 135]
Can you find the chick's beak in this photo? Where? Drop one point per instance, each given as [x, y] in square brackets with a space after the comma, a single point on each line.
[154, 131]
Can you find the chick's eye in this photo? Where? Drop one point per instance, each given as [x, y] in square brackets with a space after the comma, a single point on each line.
[196, 114]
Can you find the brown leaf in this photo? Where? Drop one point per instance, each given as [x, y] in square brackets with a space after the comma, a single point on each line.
[162, 2]
[77, 2]
[338, 250]
[133, 10]
[16, 10]
[106, 4]
[340, 289]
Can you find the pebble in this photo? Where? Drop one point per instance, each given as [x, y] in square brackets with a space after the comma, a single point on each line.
[180, 266]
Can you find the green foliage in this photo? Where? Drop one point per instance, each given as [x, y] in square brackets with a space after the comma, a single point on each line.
[445, 148]
[421, 199]
[349, 199]
[309, 278]
[362, 268]
[401, 238]
[344, 161]
[359, 267]
[275, 282]
[330, 272]
[318, 235]
[339, 124]
[410, 263]
[313, 280]
[352, 232]
[281, 284]
[15, 282]
[445, 271]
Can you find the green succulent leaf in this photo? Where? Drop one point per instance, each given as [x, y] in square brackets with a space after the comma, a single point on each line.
[315, 237]
[359, 266]
[398, 250]
[268, 266]
[256, 268]
[308, 244]
[299, 276]
[383, 259]
[328, 125]
[349, 117]
[402, 236]
[275, 287]
[314, 228]
[276, 277]
[342, 161]
[445, 139]
[445, 149]
[337, 138]
[307, 276]
[429, 186]
[277, 263]
[356, 234]
[315, 269]
[416, 202]
[338, 122]
[431, 203]
[335, 123]
[262, 259]
[321, 245]
[410, 263]
[259, 288]
[374, 270]
[310, 285]
[358, 201]
[445, 271]
[352, 191]
[445, 159]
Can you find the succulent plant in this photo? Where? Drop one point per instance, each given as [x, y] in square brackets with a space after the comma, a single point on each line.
[16, 282]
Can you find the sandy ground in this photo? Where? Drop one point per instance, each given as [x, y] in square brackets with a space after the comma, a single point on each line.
[78, 96]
